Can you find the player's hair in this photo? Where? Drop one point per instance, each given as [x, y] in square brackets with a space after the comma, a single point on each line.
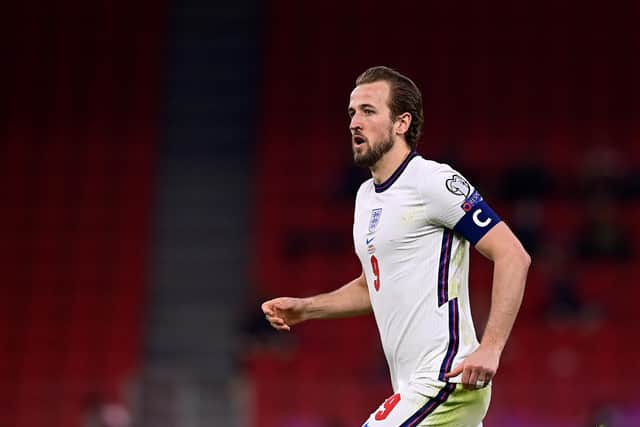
[404, 97]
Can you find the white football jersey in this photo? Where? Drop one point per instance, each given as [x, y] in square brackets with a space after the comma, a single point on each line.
[412, 236]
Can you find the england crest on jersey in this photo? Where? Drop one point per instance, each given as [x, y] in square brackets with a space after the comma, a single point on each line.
[375, 219]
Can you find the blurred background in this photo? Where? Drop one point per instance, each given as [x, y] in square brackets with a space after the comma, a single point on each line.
[166, 166]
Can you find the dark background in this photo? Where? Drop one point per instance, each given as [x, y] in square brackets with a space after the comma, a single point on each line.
[168, 165]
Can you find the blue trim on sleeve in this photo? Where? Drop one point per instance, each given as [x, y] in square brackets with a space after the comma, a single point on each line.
[478, 220]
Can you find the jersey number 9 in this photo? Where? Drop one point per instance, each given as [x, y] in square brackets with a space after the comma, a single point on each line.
[376, 272]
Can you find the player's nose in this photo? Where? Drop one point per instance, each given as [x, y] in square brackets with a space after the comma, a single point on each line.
[355, 123]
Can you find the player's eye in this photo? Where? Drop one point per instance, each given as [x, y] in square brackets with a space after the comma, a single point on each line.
[368, 111]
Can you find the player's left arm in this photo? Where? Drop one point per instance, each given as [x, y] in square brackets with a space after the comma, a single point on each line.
[454, 203]
[511, 264]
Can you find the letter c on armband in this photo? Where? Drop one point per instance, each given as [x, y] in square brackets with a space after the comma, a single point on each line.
[477, 220]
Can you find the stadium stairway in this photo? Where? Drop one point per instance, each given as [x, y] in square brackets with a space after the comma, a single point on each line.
[201, 224]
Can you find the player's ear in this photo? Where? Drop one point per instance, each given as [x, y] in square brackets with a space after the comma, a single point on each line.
[402, 123]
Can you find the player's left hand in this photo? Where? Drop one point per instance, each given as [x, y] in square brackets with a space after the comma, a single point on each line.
[478, 369]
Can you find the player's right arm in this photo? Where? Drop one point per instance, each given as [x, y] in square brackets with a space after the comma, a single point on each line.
[350, 300]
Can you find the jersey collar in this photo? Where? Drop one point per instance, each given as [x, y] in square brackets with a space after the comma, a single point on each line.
[395, 175]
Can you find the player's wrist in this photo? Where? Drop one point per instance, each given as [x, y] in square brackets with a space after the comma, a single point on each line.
[307, 311]
[492, 347]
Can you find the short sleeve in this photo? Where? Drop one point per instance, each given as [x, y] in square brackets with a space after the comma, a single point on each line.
[452, 202]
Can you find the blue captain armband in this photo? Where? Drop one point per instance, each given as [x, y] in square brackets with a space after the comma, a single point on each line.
[478, 219]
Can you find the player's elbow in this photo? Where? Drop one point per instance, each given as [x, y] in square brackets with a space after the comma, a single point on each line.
[520, 257]
[526, 258]
[511, 253]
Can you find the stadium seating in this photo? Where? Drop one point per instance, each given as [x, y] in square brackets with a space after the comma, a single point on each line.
[555, 370]
[77, 165]
[73, 292]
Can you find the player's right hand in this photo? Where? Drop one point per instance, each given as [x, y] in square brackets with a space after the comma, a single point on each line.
[282, 313]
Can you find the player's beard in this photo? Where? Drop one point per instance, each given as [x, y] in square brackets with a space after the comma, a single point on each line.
[375, 153]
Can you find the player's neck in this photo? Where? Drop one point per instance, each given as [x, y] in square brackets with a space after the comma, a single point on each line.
[390, 161]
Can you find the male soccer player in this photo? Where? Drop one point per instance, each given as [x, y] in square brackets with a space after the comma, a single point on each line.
[413, 224]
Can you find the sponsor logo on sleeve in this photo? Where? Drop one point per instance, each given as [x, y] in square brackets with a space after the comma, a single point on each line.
[471, 201]
[458, 185]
